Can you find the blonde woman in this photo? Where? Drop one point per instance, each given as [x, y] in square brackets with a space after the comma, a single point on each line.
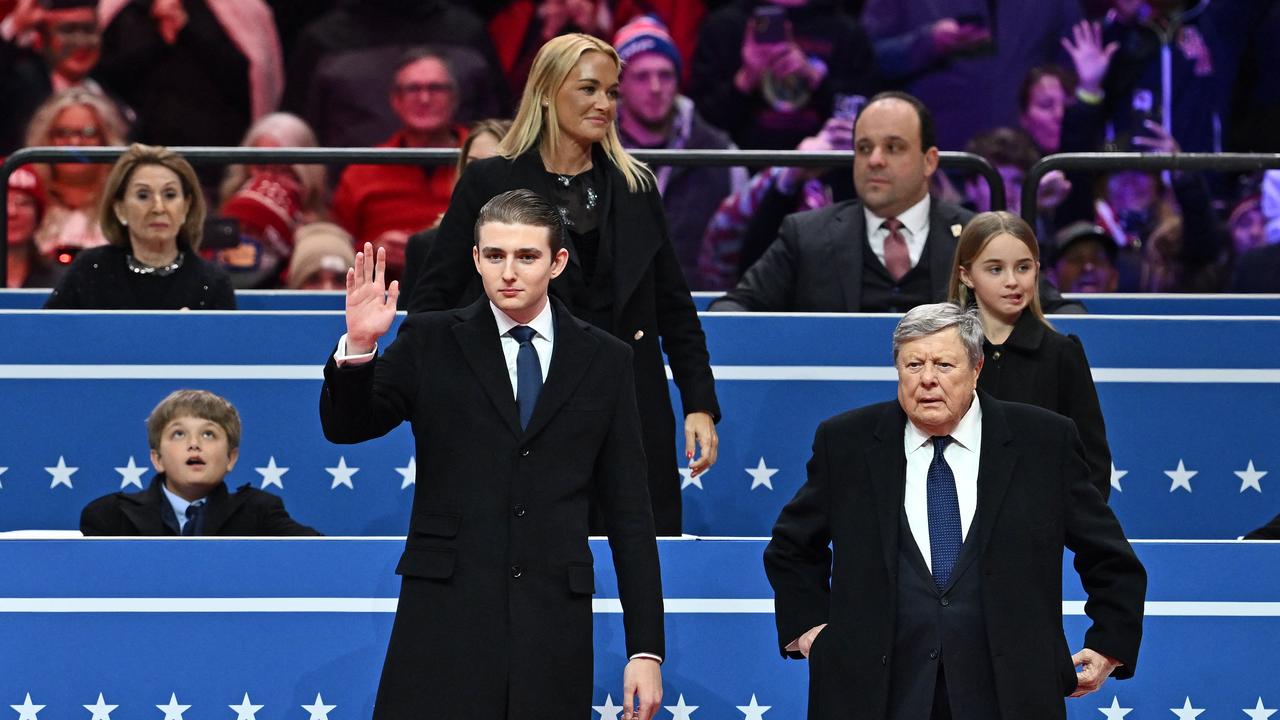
[73, 118]
[623, 275]
[997, 268]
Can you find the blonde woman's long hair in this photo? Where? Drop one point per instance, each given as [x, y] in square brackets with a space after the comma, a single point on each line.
[981, 230]
[537, 125]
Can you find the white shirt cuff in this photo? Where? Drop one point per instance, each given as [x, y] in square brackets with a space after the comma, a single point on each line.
[341, 357]
[651, 656]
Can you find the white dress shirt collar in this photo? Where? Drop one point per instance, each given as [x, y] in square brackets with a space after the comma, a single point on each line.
[915, 219]
[967, 433]
[543, 324]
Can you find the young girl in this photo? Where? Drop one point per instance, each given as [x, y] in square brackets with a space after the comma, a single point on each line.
[997, 267]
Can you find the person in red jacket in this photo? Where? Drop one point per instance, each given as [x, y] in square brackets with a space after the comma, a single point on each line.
[385, 204]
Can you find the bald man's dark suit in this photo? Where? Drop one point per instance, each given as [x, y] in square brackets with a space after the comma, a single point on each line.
[817, 262]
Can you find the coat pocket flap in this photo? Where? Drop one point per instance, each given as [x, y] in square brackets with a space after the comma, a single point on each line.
[432, 563]
[443, 525]
[582, 579]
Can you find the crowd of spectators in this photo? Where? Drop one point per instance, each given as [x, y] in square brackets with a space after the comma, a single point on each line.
[1010, 82]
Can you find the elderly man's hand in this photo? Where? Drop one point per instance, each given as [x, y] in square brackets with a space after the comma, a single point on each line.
[371, 306]
[1095, 668]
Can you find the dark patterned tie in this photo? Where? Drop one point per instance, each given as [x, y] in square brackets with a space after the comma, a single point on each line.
[944, 514]
[897, 260]
[528, 373]
[195, 520]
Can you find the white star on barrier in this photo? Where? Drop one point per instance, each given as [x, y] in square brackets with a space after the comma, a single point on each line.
[27, 711]
[173, 711]
[687, 478]
[272, 473]
[1259, 712]
[680, 711]
[1186, 712]
[1249, 477]
[101, 710]
[608, 711]
[342, 474]
[61, 473]
[761, 475]
[2, 471]
[1115, 712]
[1181, 477]
[246, 710]
[131, 474]
[753, 711]
[318, 710]
[1115, 477]
[409, 473]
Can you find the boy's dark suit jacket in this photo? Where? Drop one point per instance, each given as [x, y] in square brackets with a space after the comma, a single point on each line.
[1034, 499]
[494, 619]
[247, 511]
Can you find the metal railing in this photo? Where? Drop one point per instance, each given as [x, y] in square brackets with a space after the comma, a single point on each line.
[1113, 161]
[445, 156]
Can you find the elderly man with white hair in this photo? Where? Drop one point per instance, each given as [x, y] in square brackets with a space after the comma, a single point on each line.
[919, 568]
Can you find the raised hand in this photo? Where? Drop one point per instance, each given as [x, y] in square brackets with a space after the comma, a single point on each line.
[371, 306]
[1088, 55]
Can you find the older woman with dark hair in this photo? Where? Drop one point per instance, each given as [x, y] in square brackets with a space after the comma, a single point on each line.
[152, 214]
[623, 275]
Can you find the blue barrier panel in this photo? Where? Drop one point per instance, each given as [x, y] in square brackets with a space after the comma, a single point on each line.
[1190, 407]
[300, 624]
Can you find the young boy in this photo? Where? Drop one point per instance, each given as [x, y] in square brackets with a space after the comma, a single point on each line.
[195, 441]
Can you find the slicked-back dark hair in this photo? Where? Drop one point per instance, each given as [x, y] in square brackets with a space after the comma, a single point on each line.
[522, 207]
[928, 133]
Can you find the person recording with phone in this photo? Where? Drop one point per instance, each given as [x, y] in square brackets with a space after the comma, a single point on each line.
[768, 72]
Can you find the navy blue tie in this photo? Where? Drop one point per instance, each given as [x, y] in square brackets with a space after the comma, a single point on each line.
[944, 515]
[195, 519]
[528, 373]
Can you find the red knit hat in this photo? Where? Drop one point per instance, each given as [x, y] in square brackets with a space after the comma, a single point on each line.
[270, 200]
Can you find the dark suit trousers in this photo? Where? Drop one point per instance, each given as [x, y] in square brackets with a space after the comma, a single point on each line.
[941, 704]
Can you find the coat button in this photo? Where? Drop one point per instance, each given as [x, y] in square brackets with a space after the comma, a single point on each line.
[516, 572]
[524, 452]
[945, 601]
[933, 654]
[518, 510]
[884, 659]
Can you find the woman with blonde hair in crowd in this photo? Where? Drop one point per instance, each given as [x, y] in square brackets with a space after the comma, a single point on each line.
[152, 214]
[997, 268]
[73, 118]
[623, 275]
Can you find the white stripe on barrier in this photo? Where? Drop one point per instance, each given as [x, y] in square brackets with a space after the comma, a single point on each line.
[674, 606]
[827, 373]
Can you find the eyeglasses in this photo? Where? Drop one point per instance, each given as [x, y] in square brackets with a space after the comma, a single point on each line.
[68, 29]
[88, 132]
[435, 88]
